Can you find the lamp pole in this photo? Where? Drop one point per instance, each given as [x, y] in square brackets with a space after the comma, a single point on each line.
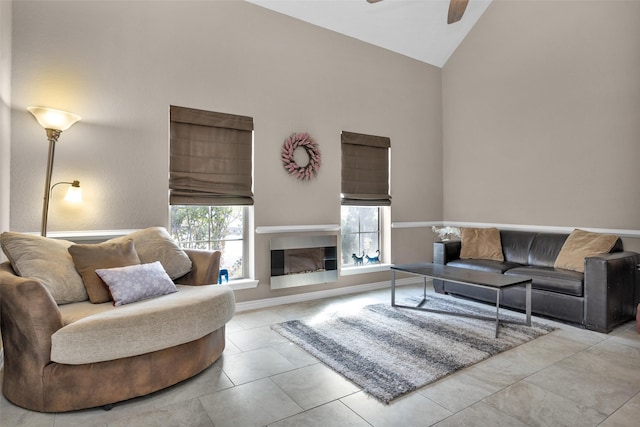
[52, 136]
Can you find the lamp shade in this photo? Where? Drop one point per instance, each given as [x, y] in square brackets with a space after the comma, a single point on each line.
[54, 119]
[74, 193]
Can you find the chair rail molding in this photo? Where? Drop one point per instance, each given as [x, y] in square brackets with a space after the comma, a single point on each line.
[524, 227]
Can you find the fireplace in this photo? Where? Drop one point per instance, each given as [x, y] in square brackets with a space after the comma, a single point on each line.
[303, 260]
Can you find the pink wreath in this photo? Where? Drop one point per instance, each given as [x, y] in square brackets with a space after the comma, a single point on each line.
[303, 140]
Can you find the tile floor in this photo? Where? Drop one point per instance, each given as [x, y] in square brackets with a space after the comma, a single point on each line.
[571, 377]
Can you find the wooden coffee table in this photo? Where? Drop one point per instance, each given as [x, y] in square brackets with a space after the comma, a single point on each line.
[480, 279]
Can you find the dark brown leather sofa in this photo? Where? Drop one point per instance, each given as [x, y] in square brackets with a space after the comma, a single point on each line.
[601, 298]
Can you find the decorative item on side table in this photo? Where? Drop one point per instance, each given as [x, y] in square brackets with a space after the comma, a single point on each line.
[446, 233]
[54, 122]
[305, 141]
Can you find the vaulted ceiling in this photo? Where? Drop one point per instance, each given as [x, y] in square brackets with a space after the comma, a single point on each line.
[415, 28]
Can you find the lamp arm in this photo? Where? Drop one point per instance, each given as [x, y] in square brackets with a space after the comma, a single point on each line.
[74, 183]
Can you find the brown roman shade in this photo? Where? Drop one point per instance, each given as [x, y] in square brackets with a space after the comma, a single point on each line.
[365, 170]
[210, 158]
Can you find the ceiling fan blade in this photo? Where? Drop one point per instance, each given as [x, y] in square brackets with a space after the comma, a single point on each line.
[373, 1]
[456, 10]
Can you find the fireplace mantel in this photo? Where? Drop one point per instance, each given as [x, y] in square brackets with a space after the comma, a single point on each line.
[275, 229]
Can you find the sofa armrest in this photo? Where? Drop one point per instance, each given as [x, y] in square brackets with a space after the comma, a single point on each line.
[610, 289]
[443, 252]
[204, 270]
[29, 317]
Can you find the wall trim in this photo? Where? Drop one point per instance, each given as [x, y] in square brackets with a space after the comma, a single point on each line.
[272, 229]
[309, 296]
[416, 224]
[88, 235]
[523, 227]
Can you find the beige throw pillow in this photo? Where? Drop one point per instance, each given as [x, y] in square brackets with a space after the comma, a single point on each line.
[156, 244]
[89, 258]
[47, 261]
[481, 243]
[582, 244]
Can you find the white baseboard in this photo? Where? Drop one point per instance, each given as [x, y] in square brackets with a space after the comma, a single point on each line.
[309, 296]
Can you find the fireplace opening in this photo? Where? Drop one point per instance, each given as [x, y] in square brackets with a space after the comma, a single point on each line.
[306, 260]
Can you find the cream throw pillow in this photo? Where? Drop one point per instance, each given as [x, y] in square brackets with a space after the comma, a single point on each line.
[481, 243]
[156, 244]
[47, 261]
[582, 244]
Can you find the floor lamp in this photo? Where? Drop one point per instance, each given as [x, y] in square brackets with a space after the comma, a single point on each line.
[54, 122]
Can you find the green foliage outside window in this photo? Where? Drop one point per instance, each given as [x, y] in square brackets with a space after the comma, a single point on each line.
[218, 228]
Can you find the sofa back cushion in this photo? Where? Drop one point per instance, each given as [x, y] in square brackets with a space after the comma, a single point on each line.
[516, 245]
[545, 249]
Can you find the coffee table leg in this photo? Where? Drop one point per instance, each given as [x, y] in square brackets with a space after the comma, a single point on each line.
[393, 288]
[528, 302]
[497, 311]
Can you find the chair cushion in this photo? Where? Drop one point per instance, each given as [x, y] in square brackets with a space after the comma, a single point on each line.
[552, 279]
[46, 260]
[141, 327]
[89, 258]
[156, 244]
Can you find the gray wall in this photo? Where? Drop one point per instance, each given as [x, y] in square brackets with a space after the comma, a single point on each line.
[121, 64]
[541, 116]
[537, 112]
[5, 114]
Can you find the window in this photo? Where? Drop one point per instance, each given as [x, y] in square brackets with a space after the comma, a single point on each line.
[218, 228]
[365, 196]
[360, 227]
[210, 184]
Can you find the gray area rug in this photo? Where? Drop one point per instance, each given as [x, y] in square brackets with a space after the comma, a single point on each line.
[389, 351]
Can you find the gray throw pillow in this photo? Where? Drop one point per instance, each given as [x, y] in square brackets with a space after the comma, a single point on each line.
[136, 282]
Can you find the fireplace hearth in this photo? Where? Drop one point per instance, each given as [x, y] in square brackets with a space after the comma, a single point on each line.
[303, 260]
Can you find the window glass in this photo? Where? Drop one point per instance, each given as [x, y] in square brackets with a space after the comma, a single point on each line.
[360, 228]
[219, 228]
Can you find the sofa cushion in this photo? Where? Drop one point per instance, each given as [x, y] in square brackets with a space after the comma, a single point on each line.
[581, 244]
[46, 260]
[143, 326]
[545, 249]
[155, 244]
[516, 245]
[89, 258]
[483, 265]
[136, 282]
[552, 279]
[480, 243]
